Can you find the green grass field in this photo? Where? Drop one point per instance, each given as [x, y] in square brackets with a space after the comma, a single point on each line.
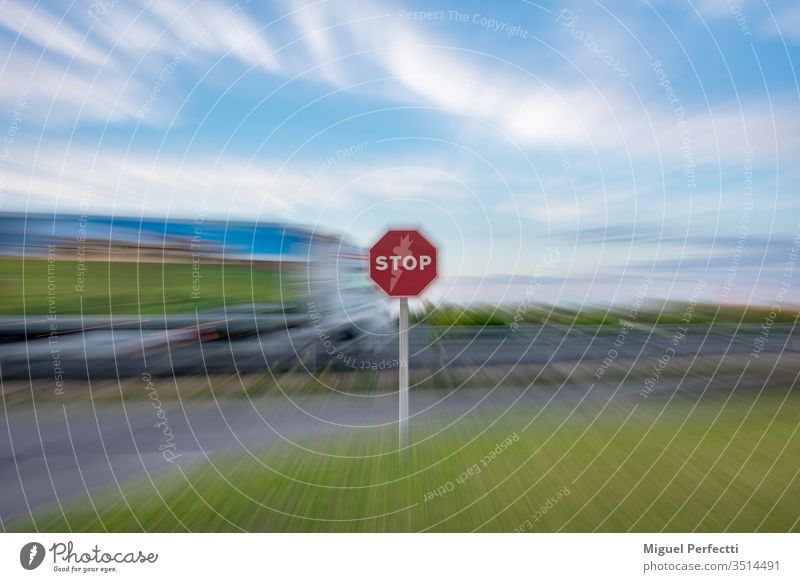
[714, 467]
[125, 288]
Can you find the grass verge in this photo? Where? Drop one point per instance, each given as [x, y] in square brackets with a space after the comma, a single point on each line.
[694, 464]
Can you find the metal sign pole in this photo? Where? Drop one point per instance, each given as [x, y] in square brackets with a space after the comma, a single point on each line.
[403, 387]
[403, 264]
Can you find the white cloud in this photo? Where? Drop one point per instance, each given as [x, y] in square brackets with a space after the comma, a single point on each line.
[60, 95]
[36, 24]
[121, 56]
[320, 40]
[786, 21]
[569, 212]
[217, 29]
[539, 110]
[109, 181]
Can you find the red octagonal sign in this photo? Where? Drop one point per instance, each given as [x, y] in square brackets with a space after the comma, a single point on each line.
[402, 263]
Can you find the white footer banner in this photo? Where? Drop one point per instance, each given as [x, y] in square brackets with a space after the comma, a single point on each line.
[333, 557]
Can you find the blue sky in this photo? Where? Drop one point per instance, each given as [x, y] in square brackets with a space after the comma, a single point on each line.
[630, 139]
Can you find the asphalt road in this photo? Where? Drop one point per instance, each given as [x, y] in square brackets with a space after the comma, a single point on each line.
[58, 451]
[124, 352]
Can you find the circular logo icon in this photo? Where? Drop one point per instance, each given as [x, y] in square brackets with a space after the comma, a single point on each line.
[31, 555]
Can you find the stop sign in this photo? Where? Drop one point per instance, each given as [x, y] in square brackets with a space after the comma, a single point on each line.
[402, 263]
